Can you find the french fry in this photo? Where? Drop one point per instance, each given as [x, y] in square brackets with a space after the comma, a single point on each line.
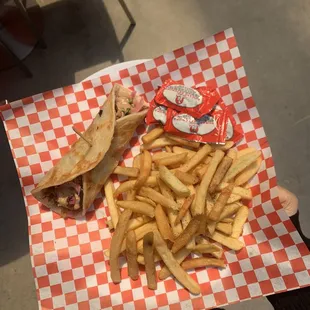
[152, 135]
[200, 200]
[180, 141]
[240, 164]
[227, 220]
[225, 147]
[240, 219]
[141, 261]
[185, 222]
[127, 171]
[179, 257]
[249, 172]
[211, 227]
[186, 234]
[186, 205]
[233, 198]
[173, 182]
[173, 265]
[225, 228]
[160, 142]
[168, 149]
[148, 253]
[147, 200]
[186, 178]
[178, 150]
[232, 153]
[163, 223]
[220, 203]
[244, 193]
[220, 173]
[145, 169]
[209, 204]
[138, 207]
[175, 159]
[116, 243]
[206, 248]
[159, 155]
[172, 214]
[137, 222]
[245, 151]
[136, 161]
[196, 159]
[110, 225]
[200, 170]
[218, 253]
[129, 185]
[229, 210]
[131, 195]
[131, 254]
[202, 262]
[113, 209]
[158, 198]
[229, 242]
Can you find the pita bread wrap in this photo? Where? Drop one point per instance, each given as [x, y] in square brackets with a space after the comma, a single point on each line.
[71, 186]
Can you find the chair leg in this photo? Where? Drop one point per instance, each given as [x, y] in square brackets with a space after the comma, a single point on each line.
[19, 4]
[127, 12]
[21, 65]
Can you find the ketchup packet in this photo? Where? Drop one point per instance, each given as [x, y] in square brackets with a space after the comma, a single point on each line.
[193, 101]
[234, 131]
[156, 114]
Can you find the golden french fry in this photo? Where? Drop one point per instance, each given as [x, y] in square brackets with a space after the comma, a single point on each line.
[147, 200]
[159, 155]
[200, 170]
[127, 171]
[179, 150]
[196, 159]
[240, 164]
[220, 203]
[109, 195]
[116, 243]
[152, 135]
[131, 254]
[227, 219]
[179, 257]
[180, 141]
[245, 151]
[139, 245]
[229, 242]
[148, 253]
[233, 198]
[209, 204]
[158, 198]
[186, 235]
[211, 227]
[129, 185]
[131, 195]
[173, 182]
[110, 225]
[186, 178]
[249, 172]
[232, 153]
[239, 220]
[141, 261]
[229, 210]
[137, 207]
[163, 224]
[206, 248]
[173, 265]
[175, 159]
[145, 170]
[202, 241]
[200, 200]
[137, 222]
[160, 142]
[185, 220]
[244, 193]
[186, 205]
[136, 161]
[225, 228]
[172, 214]
[225, 147]
[168, 149]
[220, 173]
[202, 262]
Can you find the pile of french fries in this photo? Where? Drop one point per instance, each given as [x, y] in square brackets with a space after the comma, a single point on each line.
[177, 202]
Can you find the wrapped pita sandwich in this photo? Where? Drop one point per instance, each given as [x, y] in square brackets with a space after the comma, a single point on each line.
[71, 186]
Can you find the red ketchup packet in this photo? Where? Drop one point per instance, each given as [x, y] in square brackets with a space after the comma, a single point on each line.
[156, 114]
[193, 101]
[234, 131]
[211, 128]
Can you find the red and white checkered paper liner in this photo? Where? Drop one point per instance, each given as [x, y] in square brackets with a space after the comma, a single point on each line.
[69, 266]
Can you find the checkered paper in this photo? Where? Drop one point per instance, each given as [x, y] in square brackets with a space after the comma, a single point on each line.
[68, 263]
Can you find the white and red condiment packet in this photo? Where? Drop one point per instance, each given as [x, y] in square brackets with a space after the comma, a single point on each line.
[69, 267]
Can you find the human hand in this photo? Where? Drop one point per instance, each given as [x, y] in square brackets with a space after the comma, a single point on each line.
[288, 201]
